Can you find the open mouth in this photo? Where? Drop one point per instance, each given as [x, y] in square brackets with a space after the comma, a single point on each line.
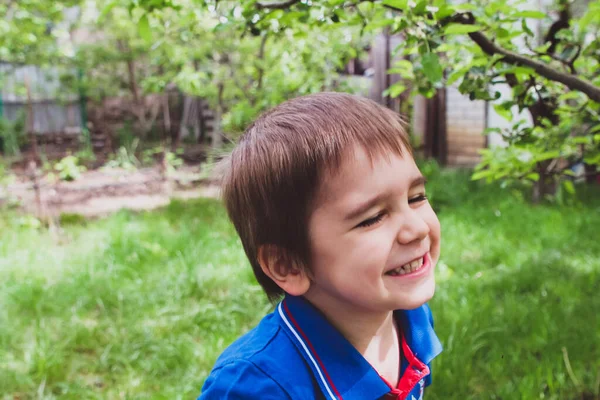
[408, 268]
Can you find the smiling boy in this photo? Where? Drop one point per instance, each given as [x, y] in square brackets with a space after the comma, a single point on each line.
[331, 210]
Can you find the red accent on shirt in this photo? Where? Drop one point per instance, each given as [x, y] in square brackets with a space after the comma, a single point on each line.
[415, 371]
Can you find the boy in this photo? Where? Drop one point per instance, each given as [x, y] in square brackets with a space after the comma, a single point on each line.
[331, 210]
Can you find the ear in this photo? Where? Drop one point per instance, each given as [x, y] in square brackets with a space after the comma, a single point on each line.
[276, 265]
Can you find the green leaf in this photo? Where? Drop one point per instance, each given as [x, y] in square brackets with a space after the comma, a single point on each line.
[534, 176]
[395, 90]
[547, 155]
[378, 23]
[465, 7]
[529, 14]
[365, 7]
[397, 4]
[445, 11]
[570, 96]
[503, 112]
[420, 8]
[487, 131]
[144, 28]
[593, 159]
[526, 29]
[431, 67]
[569, 187]
[582, 140]
[107, 8]
[460, 29]
[454, 76]
[586, 19]
[403, 68]
[481, 174]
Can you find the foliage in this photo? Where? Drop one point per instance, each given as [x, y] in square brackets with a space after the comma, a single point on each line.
[243, 57]
[86, 154]
[33, 31]
[28, 222]
[172, 159]
[12, 135]
[7, 199]
[479, 45]
[123, 158]
[210, 52]
[139, 298]
[65, 219]
[68, 168]
[6, 176]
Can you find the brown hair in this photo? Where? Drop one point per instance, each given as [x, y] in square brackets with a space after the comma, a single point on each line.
[273, 174]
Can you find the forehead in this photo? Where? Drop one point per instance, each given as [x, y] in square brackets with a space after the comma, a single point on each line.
[361, 174]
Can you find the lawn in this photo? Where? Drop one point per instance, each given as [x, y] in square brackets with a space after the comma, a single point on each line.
[139, 305]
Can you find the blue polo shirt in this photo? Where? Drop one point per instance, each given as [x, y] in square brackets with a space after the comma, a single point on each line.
[295, 353]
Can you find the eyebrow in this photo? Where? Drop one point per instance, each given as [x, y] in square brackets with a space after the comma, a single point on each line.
[367, 205]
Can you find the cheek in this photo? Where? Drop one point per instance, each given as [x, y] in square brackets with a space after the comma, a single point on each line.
[327, 249]
[434, 232]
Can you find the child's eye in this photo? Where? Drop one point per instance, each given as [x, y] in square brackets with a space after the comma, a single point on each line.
[370, 221]
[417, 199]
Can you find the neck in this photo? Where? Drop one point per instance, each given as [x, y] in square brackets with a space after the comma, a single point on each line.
[373, 334]
[366, 330]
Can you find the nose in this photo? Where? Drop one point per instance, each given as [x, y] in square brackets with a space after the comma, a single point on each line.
[412, 228]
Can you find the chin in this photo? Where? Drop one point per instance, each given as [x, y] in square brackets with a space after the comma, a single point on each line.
[418, 298]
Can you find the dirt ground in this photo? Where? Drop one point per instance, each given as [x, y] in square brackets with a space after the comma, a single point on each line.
[104, 191]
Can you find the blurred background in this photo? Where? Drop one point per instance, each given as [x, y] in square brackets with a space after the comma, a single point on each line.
[120, 275]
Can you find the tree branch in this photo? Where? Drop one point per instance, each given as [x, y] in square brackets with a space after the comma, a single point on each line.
[282, 5]
[490, 47]
[566, 63]
[384, 5]
[575, 57]
[510, 57]
[561, 23]
[261, 59]
[276, 6]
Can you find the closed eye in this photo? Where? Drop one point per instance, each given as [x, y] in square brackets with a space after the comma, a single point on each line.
[371, 221]
[417, 199]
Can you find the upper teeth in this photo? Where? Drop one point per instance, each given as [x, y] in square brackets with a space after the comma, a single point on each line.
[407, 268]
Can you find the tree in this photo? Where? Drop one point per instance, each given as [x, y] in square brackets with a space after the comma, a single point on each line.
[480, 44]
[241, 67]
[31, 30]
[209, 51]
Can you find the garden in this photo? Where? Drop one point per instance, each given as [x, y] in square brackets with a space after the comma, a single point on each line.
[121, 276]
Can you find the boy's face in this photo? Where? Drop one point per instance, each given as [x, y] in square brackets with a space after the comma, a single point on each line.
[371, 221]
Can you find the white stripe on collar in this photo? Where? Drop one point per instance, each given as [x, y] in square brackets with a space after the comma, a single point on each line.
[280, 309]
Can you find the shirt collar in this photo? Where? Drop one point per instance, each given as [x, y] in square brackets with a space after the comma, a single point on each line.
[340, 370]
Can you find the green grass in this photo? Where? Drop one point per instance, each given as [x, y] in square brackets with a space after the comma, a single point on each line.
[140, 305]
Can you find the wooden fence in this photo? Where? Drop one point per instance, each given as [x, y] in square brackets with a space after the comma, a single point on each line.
[55, 110]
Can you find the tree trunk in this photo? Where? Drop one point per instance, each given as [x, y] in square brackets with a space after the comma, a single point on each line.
[217, 135]
[436, 145]
[547, 185]
[32, 168]
[187, 108]
[591, 173]
[164, 167]
[201, 123]
[33, 151]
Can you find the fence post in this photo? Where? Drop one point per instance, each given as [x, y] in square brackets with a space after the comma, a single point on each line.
[82, 101]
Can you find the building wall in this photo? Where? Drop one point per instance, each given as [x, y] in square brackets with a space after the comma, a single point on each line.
[465, 123]
[55, 110]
